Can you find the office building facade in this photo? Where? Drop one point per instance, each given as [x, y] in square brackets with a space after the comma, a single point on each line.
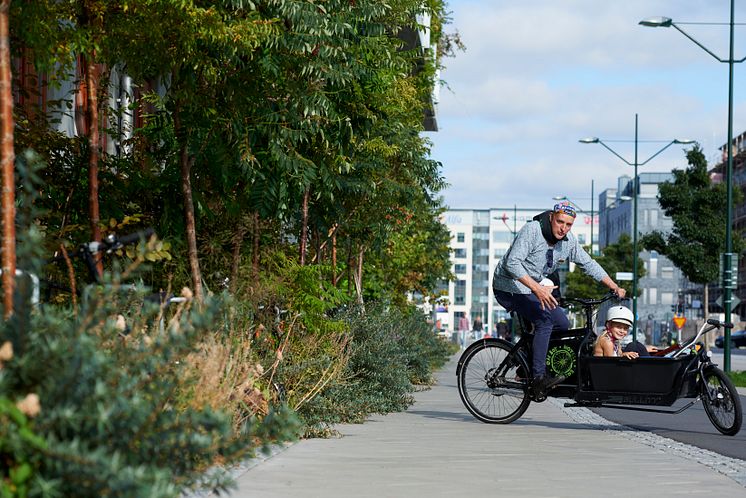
[479, 238]
[663, 286]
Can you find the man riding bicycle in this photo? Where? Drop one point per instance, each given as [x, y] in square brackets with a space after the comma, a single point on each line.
[520, 281]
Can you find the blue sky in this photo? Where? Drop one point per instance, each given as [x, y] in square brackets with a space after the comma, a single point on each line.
[537, 76]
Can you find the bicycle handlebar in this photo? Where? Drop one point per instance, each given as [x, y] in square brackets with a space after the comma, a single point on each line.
[588, 302]
[131, 238]
[718, 323]
[109, 244]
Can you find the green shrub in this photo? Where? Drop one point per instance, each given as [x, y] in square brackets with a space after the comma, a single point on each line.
[390, 351]
[20, 449]
[111, 415]
[116, 416]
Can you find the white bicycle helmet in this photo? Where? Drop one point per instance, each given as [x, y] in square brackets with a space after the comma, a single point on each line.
[620, 314]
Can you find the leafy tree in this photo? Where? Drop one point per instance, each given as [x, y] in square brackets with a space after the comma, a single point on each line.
[614, 258]
[696, 206]
[694, 202]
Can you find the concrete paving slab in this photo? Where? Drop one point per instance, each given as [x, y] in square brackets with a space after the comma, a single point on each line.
[436, 449]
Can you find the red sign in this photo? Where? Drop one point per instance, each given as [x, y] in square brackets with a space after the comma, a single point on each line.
[679, 321]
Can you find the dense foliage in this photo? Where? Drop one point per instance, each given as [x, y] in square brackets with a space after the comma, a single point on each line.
[275, 147]
[614, 258]
[694, 202]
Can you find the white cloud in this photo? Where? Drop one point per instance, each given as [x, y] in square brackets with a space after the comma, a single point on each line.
[537, 76]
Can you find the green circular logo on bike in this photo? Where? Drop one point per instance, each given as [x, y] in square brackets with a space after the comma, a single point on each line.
[561, 360]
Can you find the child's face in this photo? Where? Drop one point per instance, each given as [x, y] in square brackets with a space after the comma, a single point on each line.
[617, 330]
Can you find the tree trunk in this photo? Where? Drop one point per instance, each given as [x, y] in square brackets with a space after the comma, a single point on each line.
[349, 265]
[186, 164]
[255, 249]
[7, 162]
[359, 275]
[302, 240]
[317, 247]
[709, 338]
[91, 87]
[334, 257]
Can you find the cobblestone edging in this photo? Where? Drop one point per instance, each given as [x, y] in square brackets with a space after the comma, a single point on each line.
[730, 467]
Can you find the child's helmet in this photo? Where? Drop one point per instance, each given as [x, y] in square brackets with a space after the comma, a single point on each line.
[620, 314]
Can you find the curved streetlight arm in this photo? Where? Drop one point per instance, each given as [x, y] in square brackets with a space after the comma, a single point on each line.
[665, 22]
[675, 141]
[614, 152]
[664, 148]
[697, 43]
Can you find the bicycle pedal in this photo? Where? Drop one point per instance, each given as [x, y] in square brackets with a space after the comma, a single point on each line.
[539, 399]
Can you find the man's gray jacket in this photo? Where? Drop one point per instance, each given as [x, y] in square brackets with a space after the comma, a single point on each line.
[528, 256]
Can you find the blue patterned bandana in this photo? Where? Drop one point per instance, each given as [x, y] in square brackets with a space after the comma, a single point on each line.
[564, 208]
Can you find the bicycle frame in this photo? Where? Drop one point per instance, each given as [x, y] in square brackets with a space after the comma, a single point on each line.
[494, 377]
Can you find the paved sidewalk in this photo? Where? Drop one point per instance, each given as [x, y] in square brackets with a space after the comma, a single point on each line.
[436, 449]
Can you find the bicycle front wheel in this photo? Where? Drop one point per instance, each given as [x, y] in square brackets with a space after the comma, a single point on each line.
[721, 400]
[493, 384]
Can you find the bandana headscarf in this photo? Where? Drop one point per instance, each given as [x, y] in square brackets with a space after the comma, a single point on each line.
[564, 208]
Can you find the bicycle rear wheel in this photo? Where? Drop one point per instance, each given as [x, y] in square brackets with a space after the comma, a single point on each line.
[721, 401]
[492, 384]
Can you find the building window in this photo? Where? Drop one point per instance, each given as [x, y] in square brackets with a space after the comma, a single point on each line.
[667, 272]
[653, 218]
[581, 239]
[667, 298]
[459, 253]
[652, 295]
[458, 269]
[460, 237]
[502, 237]
[459, 296]
[500, 252]
[652, 267]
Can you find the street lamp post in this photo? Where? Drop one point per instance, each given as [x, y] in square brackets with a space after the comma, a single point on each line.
[729, 278]
[635, 188]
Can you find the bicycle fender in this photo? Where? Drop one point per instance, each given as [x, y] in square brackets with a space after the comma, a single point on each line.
[479, 343]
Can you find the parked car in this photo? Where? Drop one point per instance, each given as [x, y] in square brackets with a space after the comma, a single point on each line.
[737, 339]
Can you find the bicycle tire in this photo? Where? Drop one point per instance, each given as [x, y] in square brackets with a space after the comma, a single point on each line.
[498, 404]
[721, 401]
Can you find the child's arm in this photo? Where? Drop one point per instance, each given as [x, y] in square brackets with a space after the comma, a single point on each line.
[603, 347]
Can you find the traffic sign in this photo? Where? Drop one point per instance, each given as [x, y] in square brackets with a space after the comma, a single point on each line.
[734, 301]
[679, 321]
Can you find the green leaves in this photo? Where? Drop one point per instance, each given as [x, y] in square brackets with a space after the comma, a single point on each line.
[615, 258]
[693, 202]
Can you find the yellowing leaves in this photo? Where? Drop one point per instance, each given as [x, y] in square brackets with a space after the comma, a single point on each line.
[154, 250]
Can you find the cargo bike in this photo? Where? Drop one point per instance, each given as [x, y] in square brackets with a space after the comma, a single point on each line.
[494, 375]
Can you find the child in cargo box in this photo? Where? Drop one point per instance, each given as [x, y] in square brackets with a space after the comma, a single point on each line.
[619, 319]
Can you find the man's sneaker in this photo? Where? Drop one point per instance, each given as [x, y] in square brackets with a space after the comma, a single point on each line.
[541, 385]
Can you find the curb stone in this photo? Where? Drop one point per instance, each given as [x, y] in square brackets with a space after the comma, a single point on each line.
[239, 469]
[730, 467]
